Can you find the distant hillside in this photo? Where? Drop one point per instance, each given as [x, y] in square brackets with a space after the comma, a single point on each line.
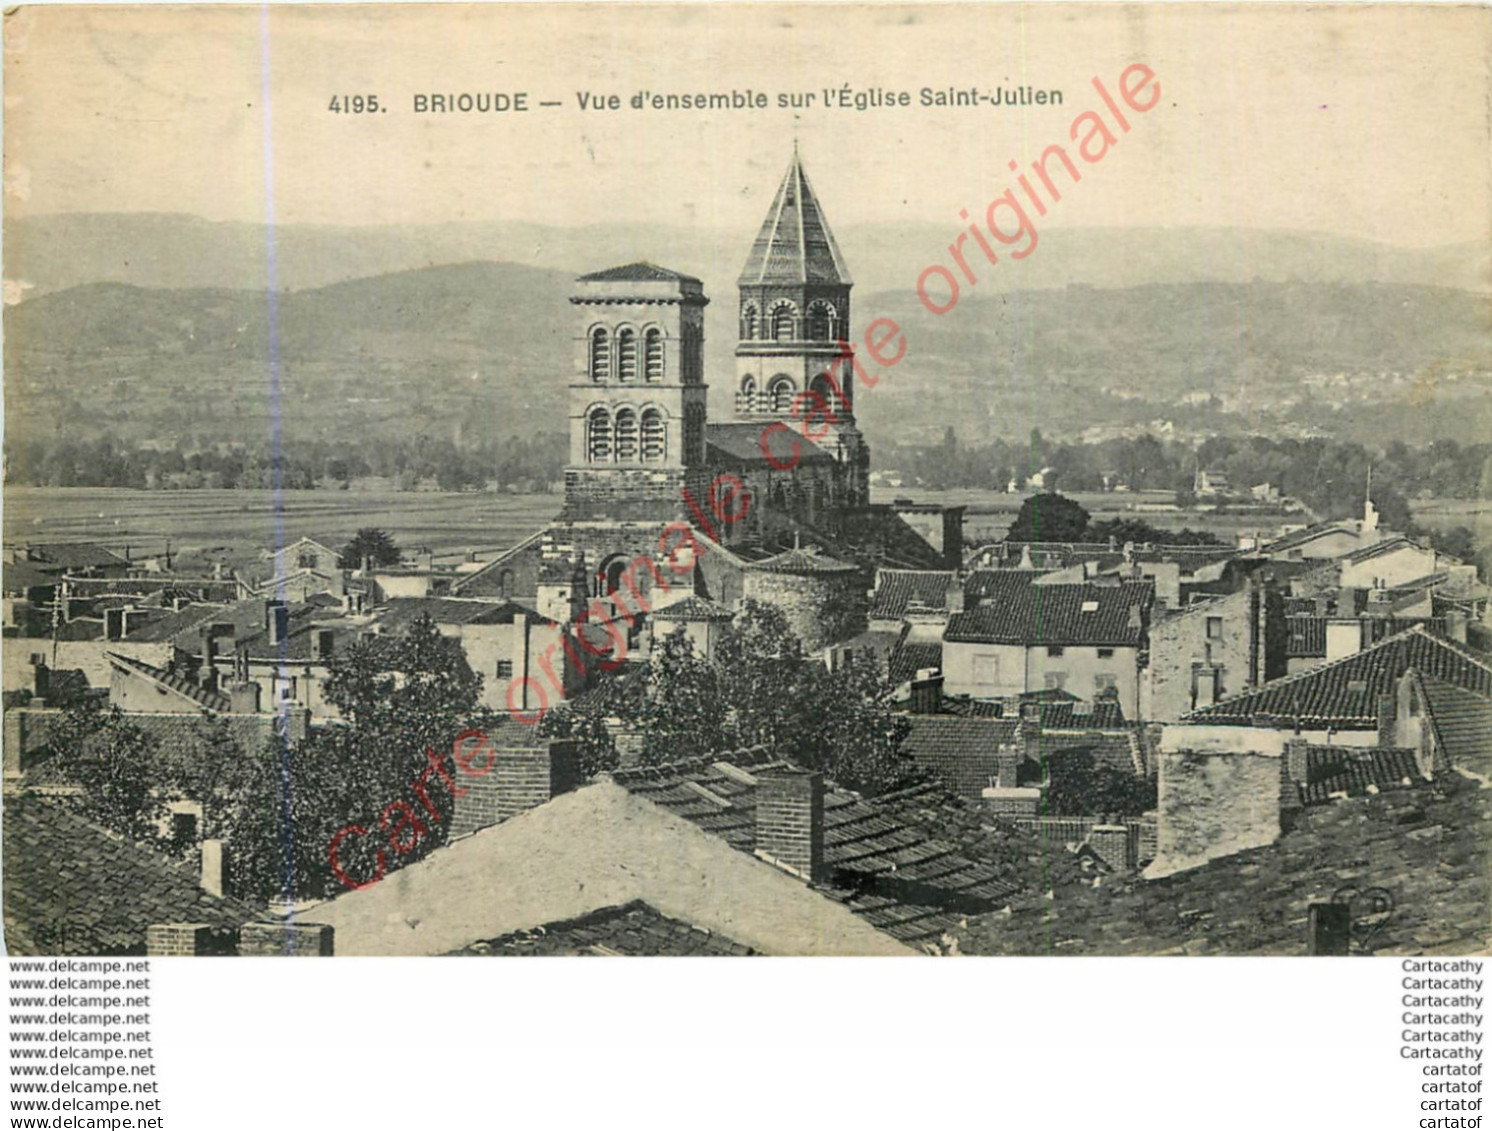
[44, 254]
[483, 350]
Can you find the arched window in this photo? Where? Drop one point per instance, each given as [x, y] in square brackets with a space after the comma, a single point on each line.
[600, 354]
[505, 582]
[654, 437]
[626, 434]
[832, 402]
[652, 354]
[820, 322]
[749, 318]
[780, 392]
[598, 437]
[626, 355]
[782, 323]
[746, 398]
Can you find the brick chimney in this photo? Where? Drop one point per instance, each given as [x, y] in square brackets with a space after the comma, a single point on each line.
[166, 940]
[285, 940]
[243, 698]
[1111, 842]
[790, 822]
[498, 784]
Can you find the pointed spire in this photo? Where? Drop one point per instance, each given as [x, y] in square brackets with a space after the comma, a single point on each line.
[795, 244]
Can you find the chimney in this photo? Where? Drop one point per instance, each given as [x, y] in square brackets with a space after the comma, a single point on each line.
[425, 560]
[1111, 842]
[927, 692]
[790, 821]
[955, 596]
[212, 867]
[1346, 601]
[13, 742]
[43, 679]
[1455, 625]
[522, 779]
[297, 723]
[276, 622]
[113, 624]
[286, 940]
[1008, 758]
[209, 652]
[243, 698]
[1330, 927]
[323, 641]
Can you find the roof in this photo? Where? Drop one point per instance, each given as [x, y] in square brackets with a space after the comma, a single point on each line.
[1011, 610]
[1082, 714]
[802, 560]
[72, 887]
[1463, 723]
[1345, 692]
[898, 876]
[1309, 534]
[794, 244]
[693, 608]
[72, 555]
[400, 612]
[960, 751]
[912, 656]
[639, 272]
[187, 688]
[1430, 846]
[734, 443]
[897, 588]
[1335, 771]
[634, 929]
[1367, 553]
[178, 735]
[17, 577]
[1307, 638]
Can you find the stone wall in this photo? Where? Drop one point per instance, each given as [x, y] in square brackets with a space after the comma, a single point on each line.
[1220, 793]
[823, 609]
[1181, 651]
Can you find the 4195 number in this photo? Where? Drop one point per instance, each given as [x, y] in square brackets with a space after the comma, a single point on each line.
[356, 104]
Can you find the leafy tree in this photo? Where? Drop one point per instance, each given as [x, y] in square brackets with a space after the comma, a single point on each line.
[399, 697]
[1049, 517]
[377, 546]
[117, 767]
[1078, 787]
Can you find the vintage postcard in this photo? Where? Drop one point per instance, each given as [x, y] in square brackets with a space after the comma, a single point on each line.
[771, 479]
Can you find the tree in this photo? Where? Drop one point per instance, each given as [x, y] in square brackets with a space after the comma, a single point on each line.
[384, 770]
[1078, 787]
[376, 546]
[117, 766]
[1049, 518]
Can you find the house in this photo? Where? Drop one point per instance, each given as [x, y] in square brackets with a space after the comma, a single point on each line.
[704, 622]
[1344, 702]
[927, 593]
[751, 849]
[1211, 649]
[1383, 565]
[303, 554]
[1323, 541]
[78, 559]
[1016, 636]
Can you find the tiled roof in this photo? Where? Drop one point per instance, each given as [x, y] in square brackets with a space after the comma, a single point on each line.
[1307, 639]
[959, 751]
[210, 700]
[179, 736]
[480, 582]
[54, 556]
[17, 577]
[734, 444]
[1011, 610]
[1463, 723]
[1367, 553]
[632, 929]
[898, 876]
[1337, 770]
[1100, 714]
[794, 244]
[802, 560]
[895, 588]
[1430, 846]
[183, 620]
[1344, 693]
[878, 536]
[693, 608]
[1309, 534]
[74, 888]
[639, 272]
[401, 612]
[910, 657]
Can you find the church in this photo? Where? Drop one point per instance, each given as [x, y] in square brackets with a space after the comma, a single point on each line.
[766, 512]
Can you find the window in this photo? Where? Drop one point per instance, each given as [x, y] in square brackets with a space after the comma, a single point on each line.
[504, 669]
[626, 435]
[600, 354]
[183, 829]
[1056, 681]
[748, 322]
[626, 355]
[1105, 653]
[654, 437]
[986, 671]
[781, 393]
[306, 559]
[1214, 628]
[598, 437]
[652, 355]
[1055, 650]
[746, 398]
[1105, 681]
[782, 323]
[820, 322]
[505, 583]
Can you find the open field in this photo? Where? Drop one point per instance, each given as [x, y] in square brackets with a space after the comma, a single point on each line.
[235, 524]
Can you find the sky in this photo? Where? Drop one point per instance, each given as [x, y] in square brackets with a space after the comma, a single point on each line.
[1369, 122]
